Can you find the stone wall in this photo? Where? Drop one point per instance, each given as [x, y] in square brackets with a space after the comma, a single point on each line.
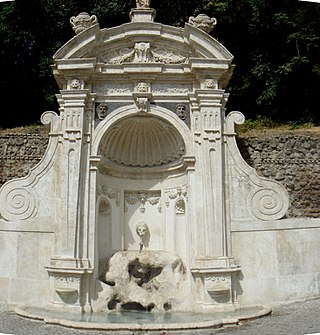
[292, 160]
[19, 153]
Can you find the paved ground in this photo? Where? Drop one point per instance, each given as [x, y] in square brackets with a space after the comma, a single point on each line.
[294, 319]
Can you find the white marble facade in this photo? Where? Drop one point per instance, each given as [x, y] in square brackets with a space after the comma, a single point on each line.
[141, 138]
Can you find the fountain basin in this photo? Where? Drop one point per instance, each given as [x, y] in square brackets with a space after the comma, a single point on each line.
[137, 320]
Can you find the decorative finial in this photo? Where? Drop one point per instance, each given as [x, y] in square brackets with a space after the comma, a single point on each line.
[82, 22]
[142, 4]
[203, 22]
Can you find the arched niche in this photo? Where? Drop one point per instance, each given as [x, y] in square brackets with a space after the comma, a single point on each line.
[141, 156]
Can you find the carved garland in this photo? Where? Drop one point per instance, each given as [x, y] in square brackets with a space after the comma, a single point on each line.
[143, 197]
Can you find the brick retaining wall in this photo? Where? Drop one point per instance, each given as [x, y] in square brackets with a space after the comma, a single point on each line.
[292, 160]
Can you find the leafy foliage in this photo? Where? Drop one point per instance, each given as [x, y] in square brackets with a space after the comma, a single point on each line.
[276, 45]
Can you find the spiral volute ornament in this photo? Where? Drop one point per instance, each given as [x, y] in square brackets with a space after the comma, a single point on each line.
[268, 204]
[48, 117]
[17, 204]
[232, 119]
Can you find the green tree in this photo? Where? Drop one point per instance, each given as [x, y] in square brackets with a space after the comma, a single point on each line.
[276, 49]
[275, 44]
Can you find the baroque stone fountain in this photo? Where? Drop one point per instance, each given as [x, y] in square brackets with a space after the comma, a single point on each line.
[142, 200]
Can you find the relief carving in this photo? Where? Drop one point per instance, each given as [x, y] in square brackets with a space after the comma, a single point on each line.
[169, 88]
[143, 197]
[142, 88]
[179, 192]
[102, 111]
[18, 203]
[143, 53]
[210, 84]
[75, 84]
[118, 90]
[181, 111]
[142, 104]
[266, 203]
[66, 279]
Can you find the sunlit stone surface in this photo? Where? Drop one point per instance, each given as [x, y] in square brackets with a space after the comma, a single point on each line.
[142, 200]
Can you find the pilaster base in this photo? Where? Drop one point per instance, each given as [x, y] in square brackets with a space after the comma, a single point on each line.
[69, 285]
[215, 284]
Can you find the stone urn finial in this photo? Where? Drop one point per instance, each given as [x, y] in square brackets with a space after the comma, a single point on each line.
[203, 22]
[82, 22]
[142, 4]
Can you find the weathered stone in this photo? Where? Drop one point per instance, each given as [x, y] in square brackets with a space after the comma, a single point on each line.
[142, 141]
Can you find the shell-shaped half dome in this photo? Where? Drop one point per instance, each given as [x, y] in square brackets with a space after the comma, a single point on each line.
[142, 141]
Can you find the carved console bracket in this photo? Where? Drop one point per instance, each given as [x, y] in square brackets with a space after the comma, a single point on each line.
[142, 97]
[142, 101]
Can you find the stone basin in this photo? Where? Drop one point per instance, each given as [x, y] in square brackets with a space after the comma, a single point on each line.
[138, 320]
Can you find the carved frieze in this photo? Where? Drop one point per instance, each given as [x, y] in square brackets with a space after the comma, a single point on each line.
[112, 89]
[143, 52]
[66, 279]
[172, 89]
[143, 198]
